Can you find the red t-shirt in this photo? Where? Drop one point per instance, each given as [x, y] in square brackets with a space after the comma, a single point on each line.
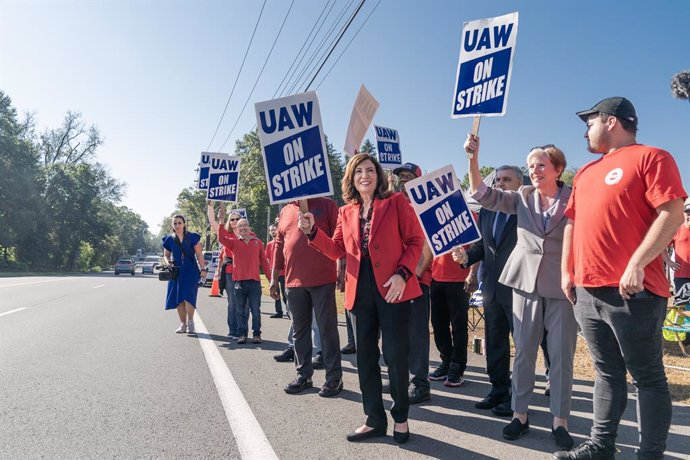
[445, 269]
[613, 204]
[681, 247]
[305, 266]
[247, 256]
[269, 255]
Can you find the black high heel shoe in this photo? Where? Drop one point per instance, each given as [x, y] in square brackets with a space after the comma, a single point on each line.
[356, 437]
[401, 437]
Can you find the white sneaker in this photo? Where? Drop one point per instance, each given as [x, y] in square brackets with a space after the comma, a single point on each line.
[182, 329]
[190, 327]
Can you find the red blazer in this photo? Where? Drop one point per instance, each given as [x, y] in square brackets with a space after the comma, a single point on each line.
[395, 240]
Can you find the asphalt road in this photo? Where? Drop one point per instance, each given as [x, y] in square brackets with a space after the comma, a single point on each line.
[90, 366]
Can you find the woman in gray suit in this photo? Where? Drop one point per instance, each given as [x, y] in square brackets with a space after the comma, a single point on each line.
[533, 271]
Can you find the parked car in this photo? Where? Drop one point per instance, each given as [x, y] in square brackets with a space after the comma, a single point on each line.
[211, 258]
[149, 264]
[125, 265]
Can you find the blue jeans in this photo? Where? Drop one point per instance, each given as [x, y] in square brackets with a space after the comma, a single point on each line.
[232, 310]
[248, 298]
[626, 334]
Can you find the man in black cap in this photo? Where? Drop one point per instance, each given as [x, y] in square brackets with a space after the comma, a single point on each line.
[624, 209]
[418, 356]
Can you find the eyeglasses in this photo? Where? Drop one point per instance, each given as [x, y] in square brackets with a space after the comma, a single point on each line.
[542, 147]
[235, 219]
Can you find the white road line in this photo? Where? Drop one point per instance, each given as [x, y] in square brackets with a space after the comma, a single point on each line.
[12, 311]
[99, 286]
[37, 282]
[251, 439]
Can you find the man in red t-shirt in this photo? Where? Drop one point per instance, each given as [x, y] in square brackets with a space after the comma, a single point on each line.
[624, 209]
[418, 355]
[310, 280]
[273, 230]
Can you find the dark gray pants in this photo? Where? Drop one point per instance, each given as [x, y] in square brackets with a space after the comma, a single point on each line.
[624, 335]
[418, 356]
[320, 301]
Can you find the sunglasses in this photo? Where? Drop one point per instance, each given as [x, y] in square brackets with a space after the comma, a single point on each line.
[542, 147]
[235, 219]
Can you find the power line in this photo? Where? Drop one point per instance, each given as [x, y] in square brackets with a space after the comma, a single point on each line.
[260, 73]
[336, 44]
[319, 47]
[227, 103]
[290, 70]
[348, 44]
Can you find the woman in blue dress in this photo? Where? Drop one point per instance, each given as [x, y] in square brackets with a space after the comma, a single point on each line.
[183, 250]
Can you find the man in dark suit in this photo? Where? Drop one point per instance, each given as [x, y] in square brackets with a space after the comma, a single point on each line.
[499, 236]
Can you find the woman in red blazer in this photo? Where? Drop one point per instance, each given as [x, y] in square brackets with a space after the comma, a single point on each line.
[379, 235]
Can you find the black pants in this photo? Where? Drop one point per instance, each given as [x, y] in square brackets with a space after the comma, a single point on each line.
[498, 325]
[319, 301]
[281, 285]
[449, 305]
[370, 313]
[418, 356]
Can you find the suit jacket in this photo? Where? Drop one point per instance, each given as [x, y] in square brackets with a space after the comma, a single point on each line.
[535, 263]
[494, 256]
[395, 240]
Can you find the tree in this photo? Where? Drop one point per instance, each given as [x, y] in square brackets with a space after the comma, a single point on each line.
[71, 143]
[20, 181]
[368, 147]
[484, 171]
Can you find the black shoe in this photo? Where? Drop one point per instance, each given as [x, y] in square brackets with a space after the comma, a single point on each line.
[317, 361]
[330, 389]
[454, 377]
[440, 372]
[515, 429]
[503, 409]
[489, 402]
[277, 315]
[562, 437]
[298, 385]
[401, 437]
[287, 356]
[356, 437]
[586, 451]
[418, 394]
[348, 349]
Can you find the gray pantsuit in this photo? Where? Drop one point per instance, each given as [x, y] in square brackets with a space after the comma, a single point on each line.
[533, 313]
[533, 270]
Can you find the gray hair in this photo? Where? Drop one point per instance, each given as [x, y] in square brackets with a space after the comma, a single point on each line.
[517, 172]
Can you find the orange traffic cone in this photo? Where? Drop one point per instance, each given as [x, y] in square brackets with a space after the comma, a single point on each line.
[215, 292]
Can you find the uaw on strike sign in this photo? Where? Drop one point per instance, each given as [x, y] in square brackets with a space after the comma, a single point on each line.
[485, 65]
[294, 148]
[440, 206]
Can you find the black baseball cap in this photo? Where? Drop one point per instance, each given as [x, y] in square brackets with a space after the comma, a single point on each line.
[617, 106]
[409, 167]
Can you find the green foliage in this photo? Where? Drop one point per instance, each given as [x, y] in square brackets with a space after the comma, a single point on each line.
[484, 170]
[568, 175]
[59, 207]
[368, 147]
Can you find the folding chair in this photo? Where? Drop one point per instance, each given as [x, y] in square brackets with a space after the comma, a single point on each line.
[476, 308]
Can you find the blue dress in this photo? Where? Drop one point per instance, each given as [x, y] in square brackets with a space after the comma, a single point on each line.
[185, 286]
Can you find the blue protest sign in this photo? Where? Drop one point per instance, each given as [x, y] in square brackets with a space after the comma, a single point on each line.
[485, 66]
[241, 211]
[388, 146]
[224, 177]
[441, 209]
[204, 166]
[294, 148]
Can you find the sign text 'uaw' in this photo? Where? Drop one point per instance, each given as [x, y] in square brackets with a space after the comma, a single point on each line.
[294, 148]
[485, 65]
[204, 167]
[224, 177]
[440, 205]
[388, 146]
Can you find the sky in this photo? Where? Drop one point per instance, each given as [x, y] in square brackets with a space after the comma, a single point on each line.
[155, 75]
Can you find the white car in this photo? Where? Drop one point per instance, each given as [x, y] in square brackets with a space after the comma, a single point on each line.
[211, 258]
[149, 264]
